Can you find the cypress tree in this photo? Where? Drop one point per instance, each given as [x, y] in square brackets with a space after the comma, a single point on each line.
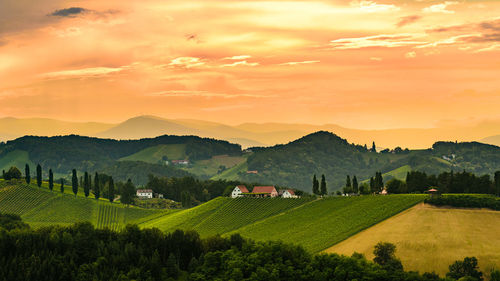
[323, 185]
[86, 187]
[355, 186]
[74, 182]
[27, 173]
[3, 174]
[315, 185]
[497, 183]
[62, 185]
[372, 185]
[39, 175]
[348, 182]
[97, 191]
[111, 193]
[374, 147]
[51, 180]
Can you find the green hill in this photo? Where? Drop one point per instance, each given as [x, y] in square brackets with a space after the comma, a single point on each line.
[40, 207]
[156, 153]
[316, 225]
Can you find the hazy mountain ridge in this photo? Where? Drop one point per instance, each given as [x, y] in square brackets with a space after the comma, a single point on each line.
[248, 134]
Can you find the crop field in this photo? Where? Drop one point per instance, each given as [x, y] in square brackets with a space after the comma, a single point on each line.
[240, 212]
[211, 166]
[40, 207]
[323, 223]
[232, 173]
[186, 219]
[155, 154]
[430, 238]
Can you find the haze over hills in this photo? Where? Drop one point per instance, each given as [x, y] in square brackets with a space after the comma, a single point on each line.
[249, 134]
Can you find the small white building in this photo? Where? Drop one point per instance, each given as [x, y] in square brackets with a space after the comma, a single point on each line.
[144, 193]
[238, 191]
[288, 193]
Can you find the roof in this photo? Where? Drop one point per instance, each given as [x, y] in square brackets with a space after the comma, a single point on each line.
[263, 189]
[242, 188]
[291, 191]
[145, 190]
[432, 190]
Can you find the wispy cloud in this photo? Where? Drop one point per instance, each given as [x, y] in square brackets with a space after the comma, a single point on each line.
[300, 62]
[240, 57]
[387, 41]
[186, 62]
[69, 12]
[240, 63]
[411, 55]
[373, 7]
[84, 72]
[440, 8]
[407, 20]
[449, 41]
[206, 94]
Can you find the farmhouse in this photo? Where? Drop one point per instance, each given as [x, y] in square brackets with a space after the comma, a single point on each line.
[144, 193]
[287, 193]
[238, 191]
[264, 191]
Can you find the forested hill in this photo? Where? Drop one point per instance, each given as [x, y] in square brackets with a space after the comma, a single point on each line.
[322, 152]
[63, 153]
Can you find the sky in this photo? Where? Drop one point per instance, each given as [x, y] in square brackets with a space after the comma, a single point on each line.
[360, 64]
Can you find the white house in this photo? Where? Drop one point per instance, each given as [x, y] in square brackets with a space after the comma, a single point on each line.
[144, 193]
[288, 193]
[238, 191]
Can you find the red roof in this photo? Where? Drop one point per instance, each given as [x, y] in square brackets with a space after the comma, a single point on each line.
[291, 192]
[242, 188]
[432, 190]
[144, 190]
[263, 189]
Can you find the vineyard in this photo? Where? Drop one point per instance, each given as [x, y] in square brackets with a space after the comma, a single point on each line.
[40, 207]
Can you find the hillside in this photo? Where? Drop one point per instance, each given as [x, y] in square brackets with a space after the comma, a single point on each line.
[64, 153]
[322, 152]
[316, 225]
[428, 237]
[39, 207]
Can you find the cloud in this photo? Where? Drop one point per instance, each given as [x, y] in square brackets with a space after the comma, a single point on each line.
[300, 62]
[85, 72]
[494, 47]
[386, 41]
[440, 8]
[242, 63]
[448, 41]
[240, 57]
[69, 12]
[186, 62]
[407, 20]
[373, 7]
[411, 55]
[206, 94]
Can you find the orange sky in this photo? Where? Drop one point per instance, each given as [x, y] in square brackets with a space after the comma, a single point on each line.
[361, 64]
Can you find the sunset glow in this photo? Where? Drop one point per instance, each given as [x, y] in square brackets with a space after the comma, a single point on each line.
[360, 64]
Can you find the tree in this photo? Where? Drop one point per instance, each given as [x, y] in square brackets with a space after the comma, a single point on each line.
[374, 147]
[86, 184]
[372, 185]
[186, 199]
[62, 185]
[495, 275]
[3, 174]
[385, 256]
[127, 193]
[355, 187]
[467, 267]
[315, 185]
[51, 180]
[395, 186]
[348, 182]
[74, 182]
[497, 183]
[97, 188]
[111, 191]
[323, 185]
[12, 173]
[27, 174]
[172, 266]
[39, 175]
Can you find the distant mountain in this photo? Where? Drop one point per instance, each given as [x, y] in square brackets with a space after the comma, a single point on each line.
[493, 140]
[322, 152]
[11, 128]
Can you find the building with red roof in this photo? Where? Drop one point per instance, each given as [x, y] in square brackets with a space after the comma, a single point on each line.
[239, 191]
[265, 191]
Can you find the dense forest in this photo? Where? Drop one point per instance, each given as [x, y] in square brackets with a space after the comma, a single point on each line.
[319, 153]
[81, 252]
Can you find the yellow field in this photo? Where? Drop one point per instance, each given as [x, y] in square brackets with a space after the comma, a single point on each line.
[429, 238]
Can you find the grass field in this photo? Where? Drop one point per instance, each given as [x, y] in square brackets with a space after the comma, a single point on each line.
[155, 154]
[431, 238]
[232, 173]
[211, 166]
[40, 207]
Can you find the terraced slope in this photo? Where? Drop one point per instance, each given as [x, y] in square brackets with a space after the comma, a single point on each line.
[323, 223]
[40, 207]
[429, 238]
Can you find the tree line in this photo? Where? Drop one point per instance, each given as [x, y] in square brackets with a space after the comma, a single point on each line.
[101, 185]
[81, 252]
